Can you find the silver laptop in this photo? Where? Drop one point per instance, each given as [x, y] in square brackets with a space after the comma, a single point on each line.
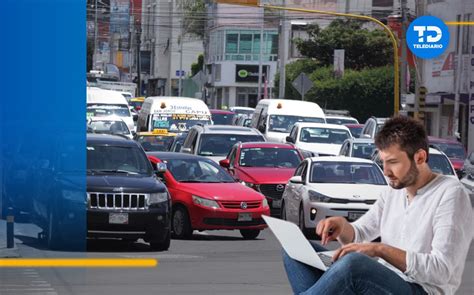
[296, 245]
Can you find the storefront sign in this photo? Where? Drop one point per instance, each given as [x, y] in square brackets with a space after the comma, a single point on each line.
[249, 73]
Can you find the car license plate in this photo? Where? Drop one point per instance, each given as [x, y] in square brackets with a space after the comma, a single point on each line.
[244, 217]
[118, 218]
[276, 203]
[353, 216]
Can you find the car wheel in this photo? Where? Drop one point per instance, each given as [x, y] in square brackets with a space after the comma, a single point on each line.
[161, 245]
[53, 237]
[249, 234]
[181, 224]
[283, 211]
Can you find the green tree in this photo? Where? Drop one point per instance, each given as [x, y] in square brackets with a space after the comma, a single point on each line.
[364, 93]
[363, 47]
[197, 66]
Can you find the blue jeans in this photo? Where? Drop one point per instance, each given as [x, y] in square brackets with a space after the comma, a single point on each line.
[354, 273]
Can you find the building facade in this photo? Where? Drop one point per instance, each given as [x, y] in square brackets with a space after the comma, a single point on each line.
[233, 56]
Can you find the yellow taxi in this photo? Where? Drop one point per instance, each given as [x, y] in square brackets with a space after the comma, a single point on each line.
[156, 140]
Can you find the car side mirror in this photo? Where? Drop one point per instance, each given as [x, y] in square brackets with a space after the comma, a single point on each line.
[460, 173]
[134, 133]
[224, 163]
[261, 128]
[135, 117]
[365, 136]
[290, 139]
[186, 150]
[296, 179]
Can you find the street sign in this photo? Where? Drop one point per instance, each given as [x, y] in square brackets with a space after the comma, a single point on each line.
[302, 84]
[199, 79]
[180, 73]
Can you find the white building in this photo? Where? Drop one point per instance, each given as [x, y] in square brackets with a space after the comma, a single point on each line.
[161, 36]
[233, 52]
[440, 75]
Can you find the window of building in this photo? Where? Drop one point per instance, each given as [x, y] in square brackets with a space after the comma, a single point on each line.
[231, 45]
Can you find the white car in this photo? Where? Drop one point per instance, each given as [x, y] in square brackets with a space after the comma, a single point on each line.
[109, 125]
[320, 138]
[331, 186]
[340, 120]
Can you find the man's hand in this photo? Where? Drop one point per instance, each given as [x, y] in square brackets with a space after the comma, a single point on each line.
[369, 249]
[331, 228]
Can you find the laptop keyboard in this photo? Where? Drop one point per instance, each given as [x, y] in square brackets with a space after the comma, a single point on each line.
[327, 260]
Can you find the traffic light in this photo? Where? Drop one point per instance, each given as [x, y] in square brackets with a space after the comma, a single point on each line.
[421, 102]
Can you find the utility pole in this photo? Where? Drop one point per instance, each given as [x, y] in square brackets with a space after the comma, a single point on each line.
[282, 53]
[260, 70]
[403, 48]
[94, 56]
[180, 82]
[457, 83]
[138, 29]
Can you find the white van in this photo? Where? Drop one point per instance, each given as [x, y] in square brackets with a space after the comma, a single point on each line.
[101, 102]
[175, 114]
[275, 117]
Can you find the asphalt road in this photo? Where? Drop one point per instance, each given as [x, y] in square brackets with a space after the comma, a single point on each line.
[214, 262]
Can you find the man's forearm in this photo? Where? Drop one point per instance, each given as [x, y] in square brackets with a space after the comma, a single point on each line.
[347, 235]
[392, 255]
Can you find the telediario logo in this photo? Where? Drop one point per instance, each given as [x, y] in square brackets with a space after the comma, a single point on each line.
[428, 37]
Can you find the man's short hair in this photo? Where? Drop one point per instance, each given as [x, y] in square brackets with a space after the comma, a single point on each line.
[407, 132]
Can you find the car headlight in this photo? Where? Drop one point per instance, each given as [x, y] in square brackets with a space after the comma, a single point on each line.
[205, 202]
[317, 197]
[250, 185]
[265, 202]
[158, 198]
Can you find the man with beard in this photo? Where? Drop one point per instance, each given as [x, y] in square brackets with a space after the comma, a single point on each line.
[424, 221]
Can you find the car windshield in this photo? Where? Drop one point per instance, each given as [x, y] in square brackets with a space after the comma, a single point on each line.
[363, 150]
[269, 157]
[282, 123]
[220, 144]
[355, 131]
[341, 121]
[452, 150]
[197, 170]
[179, 122]
[346, 172]
[222, 119]
[440, 164]
[158, 143]
[108, 110]
[109, 159]
[323, 135]
[108, 127]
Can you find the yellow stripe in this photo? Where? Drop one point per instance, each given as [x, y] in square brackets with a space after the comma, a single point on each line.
[460, 23]
[79, 262]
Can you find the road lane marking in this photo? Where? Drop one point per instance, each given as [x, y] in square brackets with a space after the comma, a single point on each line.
[79, 262]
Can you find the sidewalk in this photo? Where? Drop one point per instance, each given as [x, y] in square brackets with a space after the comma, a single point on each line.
[4, 251]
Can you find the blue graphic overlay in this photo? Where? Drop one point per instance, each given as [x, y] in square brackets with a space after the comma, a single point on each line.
[42, 122]
[427, 37]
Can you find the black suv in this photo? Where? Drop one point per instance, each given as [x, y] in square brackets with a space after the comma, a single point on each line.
[125, 199]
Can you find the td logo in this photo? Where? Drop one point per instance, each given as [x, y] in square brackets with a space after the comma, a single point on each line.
[427, 37]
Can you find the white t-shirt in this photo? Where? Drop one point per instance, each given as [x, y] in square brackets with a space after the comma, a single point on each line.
[435, 230]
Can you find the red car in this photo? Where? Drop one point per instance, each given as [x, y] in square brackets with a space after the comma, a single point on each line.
[453, 149]
[222, 117]
[206, 197]
[265, 167]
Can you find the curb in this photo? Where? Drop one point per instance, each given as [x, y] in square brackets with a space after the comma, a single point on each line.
[9, 252]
